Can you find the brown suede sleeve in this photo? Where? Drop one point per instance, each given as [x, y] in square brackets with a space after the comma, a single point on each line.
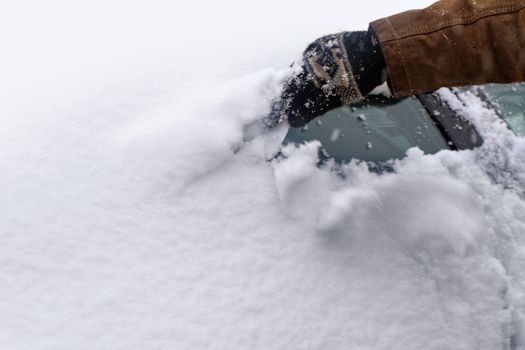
[454, 43]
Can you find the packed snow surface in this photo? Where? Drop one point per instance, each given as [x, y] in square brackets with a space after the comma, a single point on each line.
[132, 218]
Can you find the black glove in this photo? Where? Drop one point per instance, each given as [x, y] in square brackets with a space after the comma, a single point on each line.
[337, 69]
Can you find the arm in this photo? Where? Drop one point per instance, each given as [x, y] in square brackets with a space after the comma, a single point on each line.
[453, 43]
[450, 43]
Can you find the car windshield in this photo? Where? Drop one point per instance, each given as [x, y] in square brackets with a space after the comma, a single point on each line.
[376, 131]
[510, 101]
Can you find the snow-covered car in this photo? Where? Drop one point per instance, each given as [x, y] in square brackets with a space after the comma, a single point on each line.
[382, 129]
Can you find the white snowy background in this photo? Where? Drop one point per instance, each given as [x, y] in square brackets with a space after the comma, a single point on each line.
[127, 221]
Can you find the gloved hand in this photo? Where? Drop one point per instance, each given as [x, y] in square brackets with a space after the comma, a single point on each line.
[337, 69]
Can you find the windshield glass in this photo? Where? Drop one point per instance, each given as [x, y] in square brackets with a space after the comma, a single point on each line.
[377, 131]
[510, 101]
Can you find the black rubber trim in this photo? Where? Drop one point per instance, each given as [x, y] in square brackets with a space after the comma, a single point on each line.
[456, 130]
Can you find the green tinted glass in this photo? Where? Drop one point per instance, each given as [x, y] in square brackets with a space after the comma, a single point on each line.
[378, 131]
[510, 98]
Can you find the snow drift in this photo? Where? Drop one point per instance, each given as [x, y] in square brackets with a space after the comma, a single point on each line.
[129, 219]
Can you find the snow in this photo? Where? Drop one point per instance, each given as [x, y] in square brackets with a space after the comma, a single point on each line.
[137, 215]
[336, 133]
